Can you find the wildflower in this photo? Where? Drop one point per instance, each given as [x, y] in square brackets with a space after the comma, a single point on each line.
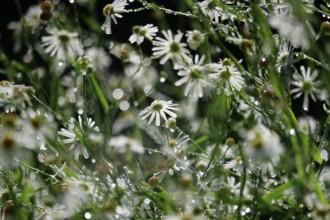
[212, 10]
[10, 148]
[140, 32]
[194, 77]
[36, 127]
[75, 136]
[262, 145]
[123, 144]
[157, 109]
[226, 75]
[62, 44]
[308, 125]
[100, 59]
[170, 48]
[282, 55]
[142, 77]
[289, 27]
[306, 84]
[195, 38]
[15, 96]
[112, 11]
[126, 53]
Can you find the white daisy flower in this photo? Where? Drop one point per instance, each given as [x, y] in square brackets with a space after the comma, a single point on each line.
[123, 144]
[157, 109]
[37, 127]
[111, 12]
[194, 39]
[306, 84]
[76, 135]
[193, 75]
[308, 125]
[212, 10]
[11, 143]
[140, 32]
[262, 145]
[62, 44]
[126, 53]
[226, 75]
[100, 59]
[13, 97]
[282, 55]
[170, 48]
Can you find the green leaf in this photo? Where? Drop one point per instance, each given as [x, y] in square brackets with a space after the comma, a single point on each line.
[278, 192]
[99, 93]
[317, 189]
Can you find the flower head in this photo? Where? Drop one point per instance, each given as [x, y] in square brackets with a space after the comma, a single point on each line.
[306, 84]
[62, 44]
[170, 48]
[194, 39]
[123, 144]
[193, 75]
[100, 59]
[226, 75]
[157, 109]
[212, 10]
[111, 12]
[76, 135]
[140, 32]
[262, 145]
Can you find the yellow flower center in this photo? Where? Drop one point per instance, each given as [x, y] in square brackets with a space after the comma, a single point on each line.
[257, 142]
[157, 107]
[195, 73]
[108, 9]
[225, 74]
[174, 47]
[307, 86]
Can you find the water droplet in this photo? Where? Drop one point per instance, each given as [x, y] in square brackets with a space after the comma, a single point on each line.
[124, 105]
[88, 215]
[324, 155]
[60, 63]
[146, 201]
[162, 79]
[71, 1]
[292, 132]
[117, 93]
